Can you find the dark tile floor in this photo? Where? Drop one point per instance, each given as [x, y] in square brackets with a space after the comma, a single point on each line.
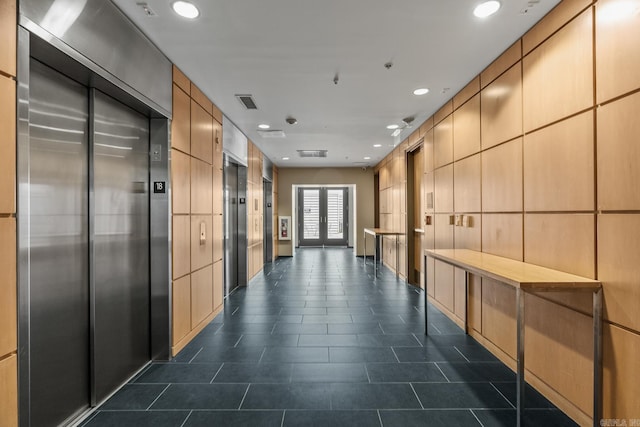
[317, 341]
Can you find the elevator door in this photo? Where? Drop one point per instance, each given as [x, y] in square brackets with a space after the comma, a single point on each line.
[59, 255]
[231, 227]
[121, 243]
[88, 313]
[268, 221]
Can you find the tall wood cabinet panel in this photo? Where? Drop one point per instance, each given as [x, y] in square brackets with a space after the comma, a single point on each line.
[619, 154]
[9, 391]
[7, 145]
[466, 184]
[499, 315]
[617, 50]
[181, 122]
[180, 183]
[618, 267]
[502, 178]
[558, 75]
[620, 358]
[8, 307]
[201, 295]
[443, 197]
[559, 166]
[181, 245]
[501, 112]
[181, 308]
[201, 133]
[201, 189]
[502, 235]
[443, 142]
[466, 129]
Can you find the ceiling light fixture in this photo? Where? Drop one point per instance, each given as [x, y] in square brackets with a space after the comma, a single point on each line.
[285, 158]
[391, 127]
[487, 8]
[421, 91]
[185, 9]
[367, 158]
[396, 132]
[377, 145]
[263, 126]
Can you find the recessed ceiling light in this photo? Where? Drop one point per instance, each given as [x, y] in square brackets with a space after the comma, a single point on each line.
[377, 145]
[263, 126]
[185, 9]
[421, 91]
[285, 158]
[367, 158]
[396, 132]
[391, 127]
[487, 8]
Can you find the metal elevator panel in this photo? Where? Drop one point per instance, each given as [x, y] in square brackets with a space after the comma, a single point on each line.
[121, 243]
[58, 195]
[268, 221]
[231, 227]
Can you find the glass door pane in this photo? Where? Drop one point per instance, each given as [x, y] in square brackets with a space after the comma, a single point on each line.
[335, 214]
[310, 216]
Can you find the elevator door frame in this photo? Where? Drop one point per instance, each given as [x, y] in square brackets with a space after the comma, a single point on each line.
[69, 62]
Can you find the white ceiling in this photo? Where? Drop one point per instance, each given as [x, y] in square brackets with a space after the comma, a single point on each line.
[286, 53]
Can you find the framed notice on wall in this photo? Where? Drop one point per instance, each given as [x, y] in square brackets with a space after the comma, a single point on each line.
[284, 227]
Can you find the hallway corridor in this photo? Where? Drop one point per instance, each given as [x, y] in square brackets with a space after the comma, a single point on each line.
[316, 341]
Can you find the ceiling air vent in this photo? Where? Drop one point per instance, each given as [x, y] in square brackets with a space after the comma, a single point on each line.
[247, 101]
[312, 153]
[274, 133]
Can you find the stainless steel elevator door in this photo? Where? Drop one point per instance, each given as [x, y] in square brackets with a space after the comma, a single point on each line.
[268, 221]
[121, 245]
[231, 227]
[58, 239]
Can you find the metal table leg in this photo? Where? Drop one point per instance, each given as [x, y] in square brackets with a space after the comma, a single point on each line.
[597, 357]
[520, 353]
[466, 302]
[426, 299]
[375, 256]
[397, 258]
[364, 258]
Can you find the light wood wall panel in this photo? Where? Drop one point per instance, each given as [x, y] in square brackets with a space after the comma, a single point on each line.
[217, 142]
[559, 166]
[443, 232]
[459, 297]
[444, 111]
[201, 295]
[8, 36]
[466, 129]
[502, 63]
[444, 284]
[9, 391]
[427, 151]
[564, 242]
[502, 235]
[181, 122]
[181, 80]
[218, 199]
[218, 284]
[469, 236]
[180, 182]
[501, 114]
[621, 367]
[466, 92]
[201, 187]
[617, 48]
[181, 301]
[618, 267]
[559, 349]
[218, 238]
[556, 19]
[474, 319]
[201, 133]
[443, 142]
[8, 307]
[181, 245]
[558, 75]
[443, 198]
[499, 315]
[201, 254]
[7, 143]
[201, 99]
[619, 154]
[502, 178]
[466, 184]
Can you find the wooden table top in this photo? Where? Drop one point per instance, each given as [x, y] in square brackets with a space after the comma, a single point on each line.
[382, 232]
[515, 273]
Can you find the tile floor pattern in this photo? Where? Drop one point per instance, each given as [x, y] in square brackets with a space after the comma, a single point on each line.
[317, 341]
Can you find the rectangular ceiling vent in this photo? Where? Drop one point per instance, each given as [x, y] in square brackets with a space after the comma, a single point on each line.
[272, 133]
[247, 101]
[312, 153]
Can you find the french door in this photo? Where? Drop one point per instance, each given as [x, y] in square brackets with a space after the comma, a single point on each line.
[323, 214]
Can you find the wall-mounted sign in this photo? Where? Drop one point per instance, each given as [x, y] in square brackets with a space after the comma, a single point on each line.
[159, 187]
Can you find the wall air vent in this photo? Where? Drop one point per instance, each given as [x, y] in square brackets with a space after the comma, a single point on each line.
[247, 101]
[272, 133]
[312, 153]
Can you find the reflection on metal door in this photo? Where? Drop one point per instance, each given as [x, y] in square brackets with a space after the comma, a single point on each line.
[323, 214]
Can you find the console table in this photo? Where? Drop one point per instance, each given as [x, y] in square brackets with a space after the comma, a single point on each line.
[376, 232]
[527, 278]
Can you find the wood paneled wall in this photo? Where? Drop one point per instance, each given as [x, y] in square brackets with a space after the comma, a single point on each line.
[8, 302]
[255, 211]
[276, 248]
[197, 207]
[540, 152]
